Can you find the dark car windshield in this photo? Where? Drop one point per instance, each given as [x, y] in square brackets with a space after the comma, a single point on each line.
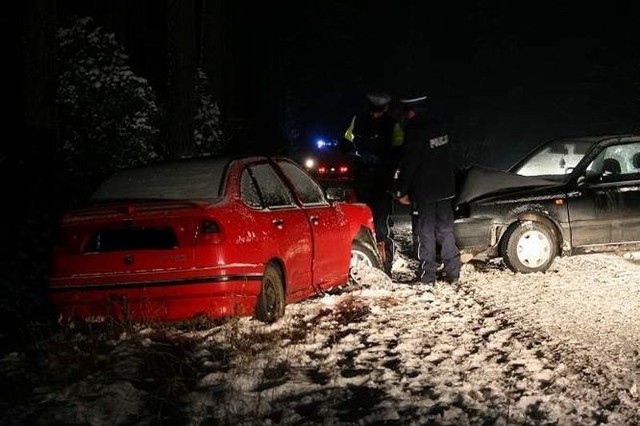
[557, 158]
[180, 180]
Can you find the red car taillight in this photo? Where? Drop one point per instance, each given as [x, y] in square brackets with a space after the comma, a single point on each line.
[209, 232]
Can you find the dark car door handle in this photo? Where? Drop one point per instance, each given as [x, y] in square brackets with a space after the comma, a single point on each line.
[278, 223]
[314, 220]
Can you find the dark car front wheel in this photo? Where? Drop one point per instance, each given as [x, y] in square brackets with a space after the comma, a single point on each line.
[271, 303]
[528, 247]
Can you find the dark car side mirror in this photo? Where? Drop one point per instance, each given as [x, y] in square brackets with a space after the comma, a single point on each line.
[589, 176]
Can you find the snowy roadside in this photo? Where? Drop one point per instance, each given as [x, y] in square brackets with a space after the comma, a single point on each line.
[587, 304]
[500, 348]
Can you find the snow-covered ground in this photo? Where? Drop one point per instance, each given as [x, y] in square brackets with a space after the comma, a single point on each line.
[559, 348]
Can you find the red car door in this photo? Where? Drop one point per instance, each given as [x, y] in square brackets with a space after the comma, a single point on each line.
[331, 246]
[331, 240]
[285, 229]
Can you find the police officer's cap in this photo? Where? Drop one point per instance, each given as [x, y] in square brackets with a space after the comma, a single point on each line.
[410, 102]
[379, 100]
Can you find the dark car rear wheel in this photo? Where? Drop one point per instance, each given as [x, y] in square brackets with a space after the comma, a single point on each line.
[528, 247]
[270, 306]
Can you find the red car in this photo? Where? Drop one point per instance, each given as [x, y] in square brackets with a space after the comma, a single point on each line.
[215, 237]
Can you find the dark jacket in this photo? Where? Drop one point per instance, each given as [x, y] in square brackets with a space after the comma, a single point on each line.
[373, 138]
[377, 142]
[427, 172]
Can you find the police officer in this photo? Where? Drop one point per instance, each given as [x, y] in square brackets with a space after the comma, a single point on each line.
[374, 139]
[427, 178]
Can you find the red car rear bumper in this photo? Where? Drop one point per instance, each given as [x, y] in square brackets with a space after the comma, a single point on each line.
[213, 297]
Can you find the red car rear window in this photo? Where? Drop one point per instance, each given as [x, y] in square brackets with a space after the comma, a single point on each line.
[185, 180]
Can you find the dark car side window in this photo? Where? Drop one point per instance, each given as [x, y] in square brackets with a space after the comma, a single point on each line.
[308, 190]
[261, 183]
[616, 163]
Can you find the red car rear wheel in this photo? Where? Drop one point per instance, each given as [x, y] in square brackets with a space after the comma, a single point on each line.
[270, 306]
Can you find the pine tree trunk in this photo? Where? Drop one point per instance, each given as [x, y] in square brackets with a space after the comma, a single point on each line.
[36, 202]
[181, 43]
[39, 79]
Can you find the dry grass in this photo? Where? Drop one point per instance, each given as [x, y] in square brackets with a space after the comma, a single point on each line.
[165, 360]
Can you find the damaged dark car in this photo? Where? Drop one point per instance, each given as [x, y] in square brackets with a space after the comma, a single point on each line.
[569, 196]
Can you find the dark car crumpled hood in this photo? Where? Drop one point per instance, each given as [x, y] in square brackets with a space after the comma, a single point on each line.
[477, 181]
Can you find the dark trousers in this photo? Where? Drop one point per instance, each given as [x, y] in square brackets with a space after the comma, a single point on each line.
[435, 227]
[372, 189]
[382, 209]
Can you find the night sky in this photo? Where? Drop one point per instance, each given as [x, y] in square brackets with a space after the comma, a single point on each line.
[512, 74]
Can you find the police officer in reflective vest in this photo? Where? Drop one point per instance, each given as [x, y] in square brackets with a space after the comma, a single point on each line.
[374, 139]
